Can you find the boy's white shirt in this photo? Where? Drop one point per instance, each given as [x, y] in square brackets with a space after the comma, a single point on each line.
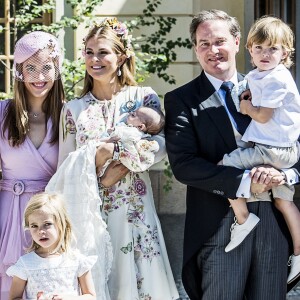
[244, 190]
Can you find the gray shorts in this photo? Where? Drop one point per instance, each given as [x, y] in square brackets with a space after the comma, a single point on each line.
[277, 157]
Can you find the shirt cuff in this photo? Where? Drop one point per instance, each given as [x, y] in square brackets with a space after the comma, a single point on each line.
[245, 185]
[291, 176]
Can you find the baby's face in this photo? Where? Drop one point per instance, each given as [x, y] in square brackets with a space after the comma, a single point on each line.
[134, 118]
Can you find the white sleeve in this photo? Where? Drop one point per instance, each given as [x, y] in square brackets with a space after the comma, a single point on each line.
[245, 185]
[86, 264]
[18, 270]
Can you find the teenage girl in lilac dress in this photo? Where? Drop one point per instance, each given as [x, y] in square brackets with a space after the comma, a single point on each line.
[28, 139]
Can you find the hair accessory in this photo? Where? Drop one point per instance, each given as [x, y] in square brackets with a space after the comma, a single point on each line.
[120, 30]
[42, 51]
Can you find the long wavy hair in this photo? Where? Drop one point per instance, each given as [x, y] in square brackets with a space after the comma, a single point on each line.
[128, 68]
[16, 117]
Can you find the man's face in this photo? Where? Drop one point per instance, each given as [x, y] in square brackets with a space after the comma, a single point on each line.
[216, 49]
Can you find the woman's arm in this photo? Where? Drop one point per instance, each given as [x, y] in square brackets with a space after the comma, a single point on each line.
[113, 173]
[104, 152]
[67, 134]
[17, 288]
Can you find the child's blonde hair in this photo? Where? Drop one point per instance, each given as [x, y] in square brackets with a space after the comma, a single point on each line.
[54, 205]
[274, 31]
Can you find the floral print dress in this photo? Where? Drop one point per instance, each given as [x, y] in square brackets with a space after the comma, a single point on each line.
[141, 268]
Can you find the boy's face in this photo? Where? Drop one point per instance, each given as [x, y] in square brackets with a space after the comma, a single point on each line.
[266, 56]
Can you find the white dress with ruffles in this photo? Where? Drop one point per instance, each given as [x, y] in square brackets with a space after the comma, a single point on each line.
[57, 275]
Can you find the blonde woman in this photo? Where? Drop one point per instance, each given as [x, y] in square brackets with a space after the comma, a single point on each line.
[140, 267]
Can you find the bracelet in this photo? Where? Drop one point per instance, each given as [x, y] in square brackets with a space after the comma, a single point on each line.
[116, 153]
[102, 189]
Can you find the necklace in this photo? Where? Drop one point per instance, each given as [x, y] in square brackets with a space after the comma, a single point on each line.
[35, 115]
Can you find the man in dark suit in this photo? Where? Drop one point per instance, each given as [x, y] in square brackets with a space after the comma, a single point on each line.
[200, 129]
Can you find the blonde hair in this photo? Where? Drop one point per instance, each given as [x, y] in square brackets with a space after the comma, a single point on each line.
[54, 205]
[103, 31]
[275, 31]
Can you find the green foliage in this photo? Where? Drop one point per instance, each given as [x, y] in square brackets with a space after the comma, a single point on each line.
[169, 177]
[154, 52]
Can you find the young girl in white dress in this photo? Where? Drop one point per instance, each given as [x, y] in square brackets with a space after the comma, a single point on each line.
[51, 269]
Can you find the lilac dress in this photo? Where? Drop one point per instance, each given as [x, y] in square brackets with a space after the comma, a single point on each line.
[25, 171]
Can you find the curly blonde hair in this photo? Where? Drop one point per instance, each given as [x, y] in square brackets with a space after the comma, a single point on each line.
[275, 31]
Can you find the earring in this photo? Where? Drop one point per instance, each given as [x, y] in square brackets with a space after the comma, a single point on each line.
[119, 72]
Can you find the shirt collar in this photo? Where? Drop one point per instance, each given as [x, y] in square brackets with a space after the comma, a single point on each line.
[217, 82]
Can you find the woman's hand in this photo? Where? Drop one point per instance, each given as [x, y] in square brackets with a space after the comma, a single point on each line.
[104, 152]
[113, 173]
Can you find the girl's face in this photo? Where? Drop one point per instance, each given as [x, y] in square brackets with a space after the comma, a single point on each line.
[43, 230]
[101, 61]
[266, 57]
[39, 75]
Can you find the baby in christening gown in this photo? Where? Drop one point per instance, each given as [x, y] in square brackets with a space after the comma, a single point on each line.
[138, 124]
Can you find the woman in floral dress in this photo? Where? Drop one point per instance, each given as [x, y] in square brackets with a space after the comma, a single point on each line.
[140, 268]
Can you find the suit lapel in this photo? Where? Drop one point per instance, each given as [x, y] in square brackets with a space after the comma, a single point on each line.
[218, 116]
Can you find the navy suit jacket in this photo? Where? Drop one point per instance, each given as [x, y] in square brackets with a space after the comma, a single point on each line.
[198, 133]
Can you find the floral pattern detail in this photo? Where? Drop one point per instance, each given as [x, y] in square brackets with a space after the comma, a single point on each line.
[148, 244]
[144, 296]
[138, 239]
[139, 280]
[135, 212]
[114, 200]
[139, 186]
[152, 101]
[70, 126]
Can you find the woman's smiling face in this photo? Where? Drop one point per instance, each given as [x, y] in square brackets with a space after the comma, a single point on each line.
[100, 59]
[39, 74]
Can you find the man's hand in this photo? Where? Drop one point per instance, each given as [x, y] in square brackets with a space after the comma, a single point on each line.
[264, 178]
[113, 173]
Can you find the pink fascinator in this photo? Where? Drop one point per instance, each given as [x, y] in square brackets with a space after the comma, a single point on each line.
[37, 53]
